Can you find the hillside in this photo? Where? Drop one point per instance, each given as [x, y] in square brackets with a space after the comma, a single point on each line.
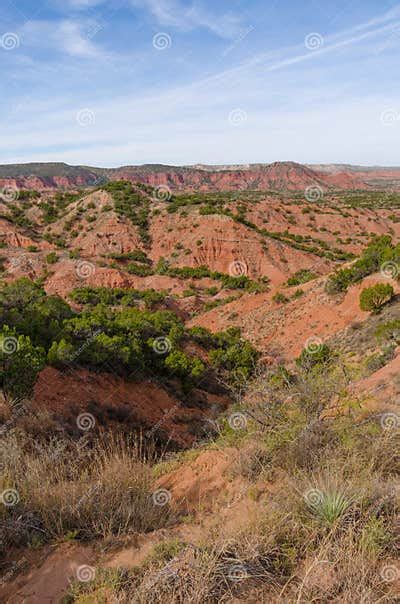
[275, 176]
[292, 497]
[199, 374]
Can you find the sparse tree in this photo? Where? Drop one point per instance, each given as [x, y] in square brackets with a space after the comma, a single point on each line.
[373, 298]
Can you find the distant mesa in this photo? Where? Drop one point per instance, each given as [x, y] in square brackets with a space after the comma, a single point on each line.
[274, 176]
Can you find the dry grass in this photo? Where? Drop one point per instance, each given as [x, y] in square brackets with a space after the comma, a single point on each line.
[73, 488]
[293, 549]
[323, 527]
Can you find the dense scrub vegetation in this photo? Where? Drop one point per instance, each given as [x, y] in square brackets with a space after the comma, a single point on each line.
[225, 204]
[134, 255]
[213, 201]
[127, 341]
[340, 200]
[133, 203]
[381, 250]
[116, 296]
[53, 209]
[16, 215]
[143, 268]
[28, 194]
[320, 492]
[371, 199]
[200, 272]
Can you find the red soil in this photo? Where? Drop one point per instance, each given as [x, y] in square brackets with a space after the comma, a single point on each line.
[278, 175]
[128, 405]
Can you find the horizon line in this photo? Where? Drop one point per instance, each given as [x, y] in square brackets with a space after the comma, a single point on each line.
[201, 165]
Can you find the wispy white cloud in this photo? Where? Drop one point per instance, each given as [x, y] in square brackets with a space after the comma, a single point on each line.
[374, 30]
[123, 136]
[286, 115]
[82, 4]
[334, 43]
[188, 16]
[66, 35]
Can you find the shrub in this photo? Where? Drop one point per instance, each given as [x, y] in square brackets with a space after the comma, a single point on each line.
[51, 258]
[373, 298]
[142, 270]
[280, 298]
[389, 331]
[183, 365]
[202, 335]
[26, 195]
[105, 582]
[201, 272]
[300, 277]
[212, 291]
[117, 296]
[20, 363]
[135, 255]
[234, 354]
[380, 250]
[25, 307]
[298, 294]
[380, 359]
[187, 293]
[310, 358]
[124, 338]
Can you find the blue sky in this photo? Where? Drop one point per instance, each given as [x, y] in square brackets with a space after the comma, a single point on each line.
[116, 82]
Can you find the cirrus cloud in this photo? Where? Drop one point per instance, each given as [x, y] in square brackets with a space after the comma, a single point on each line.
[188, 16]
[66, 36]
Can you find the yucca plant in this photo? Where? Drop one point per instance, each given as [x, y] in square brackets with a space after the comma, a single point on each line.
[329, 502]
